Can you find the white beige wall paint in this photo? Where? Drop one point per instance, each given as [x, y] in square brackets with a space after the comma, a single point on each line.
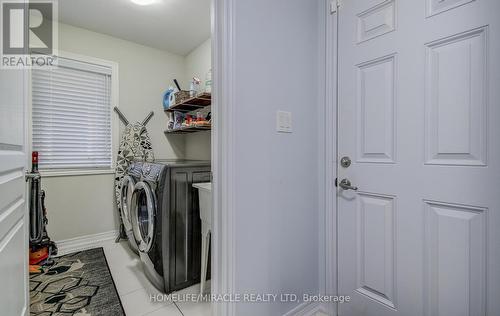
[145, 74]
[84, 205]
[80, 205]
[198, 63]
[274, 203]
[198, 146]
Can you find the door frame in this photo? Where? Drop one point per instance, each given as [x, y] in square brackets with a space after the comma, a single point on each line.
[331, 150]
[223, 146]
[27, 168]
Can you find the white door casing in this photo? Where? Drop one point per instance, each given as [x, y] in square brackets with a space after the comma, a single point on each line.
[418, 107]
[13, 213]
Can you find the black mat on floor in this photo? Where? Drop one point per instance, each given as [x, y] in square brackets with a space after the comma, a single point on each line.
[78, 284]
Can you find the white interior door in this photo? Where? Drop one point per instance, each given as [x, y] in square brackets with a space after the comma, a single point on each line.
[419, 112]
[13, 214]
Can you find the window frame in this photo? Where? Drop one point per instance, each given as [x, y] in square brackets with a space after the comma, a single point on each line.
[115, 127]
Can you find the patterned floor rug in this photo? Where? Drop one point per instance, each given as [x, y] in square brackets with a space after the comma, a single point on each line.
[78, 284]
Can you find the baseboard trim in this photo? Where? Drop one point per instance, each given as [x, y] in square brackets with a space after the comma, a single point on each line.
[84, 242]
[307, 309]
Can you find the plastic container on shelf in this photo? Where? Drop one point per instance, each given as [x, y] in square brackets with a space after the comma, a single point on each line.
[208, 82]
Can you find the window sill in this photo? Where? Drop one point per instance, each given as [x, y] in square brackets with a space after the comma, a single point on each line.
[70, 173]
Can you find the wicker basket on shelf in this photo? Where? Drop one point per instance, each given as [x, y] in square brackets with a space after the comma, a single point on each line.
[181, 96]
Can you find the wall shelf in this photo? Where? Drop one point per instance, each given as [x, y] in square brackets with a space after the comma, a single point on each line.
[200, 101]
[189, 129]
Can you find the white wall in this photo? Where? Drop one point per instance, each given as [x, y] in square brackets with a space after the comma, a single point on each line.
[83, 205]
[145, 74]
[80, 205]
[276, 202]
[198, 63]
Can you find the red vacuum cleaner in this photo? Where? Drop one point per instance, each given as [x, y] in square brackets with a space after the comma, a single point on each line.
[42, 249]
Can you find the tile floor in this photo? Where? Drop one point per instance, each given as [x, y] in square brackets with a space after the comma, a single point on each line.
[135, 290]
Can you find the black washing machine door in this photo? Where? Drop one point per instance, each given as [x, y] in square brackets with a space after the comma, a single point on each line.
[143, 212]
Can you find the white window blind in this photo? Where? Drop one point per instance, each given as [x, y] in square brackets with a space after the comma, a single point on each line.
[72, 116]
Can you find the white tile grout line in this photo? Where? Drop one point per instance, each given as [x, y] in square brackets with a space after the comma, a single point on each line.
[131, 291]
[151, 312]
[145, 289]
[178, 308]
[125, 292]
[161, 307]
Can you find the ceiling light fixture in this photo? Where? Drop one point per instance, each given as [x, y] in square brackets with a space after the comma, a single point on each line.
[144, 2]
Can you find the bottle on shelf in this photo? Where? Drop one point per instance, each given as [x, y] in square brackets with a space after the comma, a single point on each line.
[208, 82]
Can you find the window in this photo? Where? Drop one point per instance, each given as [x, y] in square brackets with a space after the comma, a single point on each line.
[71, 115]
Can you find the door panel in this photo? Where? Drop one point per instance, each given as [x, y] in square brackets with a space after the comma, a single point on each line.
[376, 247]
[376, 21]
[13, 215]
[454, 259]
[456, 99]
[418, 115]
[439, 6]
[375, 110]
[14, 267]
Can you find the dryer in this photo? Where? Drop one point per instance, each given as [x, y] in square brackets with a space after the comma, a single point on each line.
[166, 222]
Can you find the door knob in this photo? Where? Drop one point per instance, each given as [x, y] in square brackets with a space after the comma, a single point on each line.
[345, 184]
[345, 162]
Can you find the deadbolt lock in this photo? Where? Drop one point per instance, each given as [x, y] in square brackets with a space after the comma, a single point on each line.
[345, 162]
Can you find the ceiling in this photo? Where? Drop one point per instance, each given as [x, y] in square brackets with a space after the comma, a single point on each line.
[177, 26]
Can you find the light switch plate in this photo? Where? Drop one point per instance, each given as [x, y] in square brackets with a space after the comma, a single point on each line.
[283, 122]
